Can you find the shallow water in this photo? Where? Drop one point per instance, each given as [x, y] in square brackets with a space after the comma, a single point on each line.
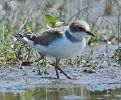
[71, 93]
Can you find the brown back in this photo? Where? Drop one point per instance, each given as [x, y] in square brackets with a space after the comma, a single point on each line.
[47, 38]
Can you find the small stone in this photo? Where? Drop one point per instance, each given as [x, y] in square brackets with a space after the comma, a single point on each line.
[88, 71]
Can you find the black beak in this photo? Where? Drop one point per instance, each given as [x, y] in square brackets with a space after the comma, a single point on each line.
[88, 32]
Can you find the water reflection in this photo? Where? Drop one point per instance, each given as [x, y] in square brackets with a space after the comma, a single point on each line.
[61, 94]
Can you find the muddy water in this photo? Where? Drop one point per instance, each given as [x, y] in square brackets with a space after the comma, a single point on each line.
[40, 93]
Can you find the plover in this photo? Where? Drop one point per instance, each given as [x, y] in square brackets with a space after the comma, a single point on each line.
[59, 43]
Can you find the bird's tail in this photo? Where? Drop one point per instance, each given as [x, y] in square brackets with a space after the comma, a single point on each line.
[19, 36]
[25, 37]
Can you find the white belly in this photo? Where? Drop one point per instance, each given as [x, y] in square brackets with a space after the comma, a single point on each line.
[62, 48]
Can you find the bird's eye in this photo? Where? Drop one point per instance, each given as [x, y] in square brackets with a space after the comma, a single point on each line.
[81, 28]
[33, 37]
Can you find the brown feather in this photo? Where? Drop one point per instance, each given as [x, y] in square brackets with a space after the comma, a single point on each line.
[78, 26]
[46, 37]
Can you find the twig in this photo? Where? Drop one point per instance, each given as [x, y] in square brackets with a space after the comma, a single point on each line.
[118, 29]
[21, 27]
[117, 3]
[77, 14]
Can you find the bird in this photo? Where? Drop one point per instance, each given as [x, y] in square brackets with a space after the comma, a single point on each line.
[59, 42]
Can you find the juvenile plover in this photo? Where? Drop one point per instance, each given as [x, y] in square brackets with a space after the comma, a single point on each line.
[59, 43]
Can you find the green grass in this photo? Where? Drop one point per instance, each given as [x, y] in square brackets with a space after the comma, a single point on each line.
[117, 55]
[16, 52]
[108, 7]
[7, 54]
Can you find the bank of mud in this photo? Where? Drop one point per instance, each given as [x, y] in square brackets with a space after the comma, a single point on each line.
[104, 76]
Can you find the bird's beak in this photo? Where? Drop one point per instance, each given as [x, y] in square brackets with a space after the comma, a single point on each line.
[88, 32]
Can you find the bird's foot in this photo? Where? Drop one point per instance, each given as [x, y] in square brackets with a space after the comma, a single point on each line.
[58, 68]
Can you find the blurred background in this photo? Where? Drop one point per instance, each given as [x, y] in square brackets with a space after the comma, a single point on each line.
[99, 12]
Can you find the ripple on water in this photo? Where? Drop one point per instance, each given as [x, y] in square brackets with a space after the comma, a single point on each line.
[74, 97]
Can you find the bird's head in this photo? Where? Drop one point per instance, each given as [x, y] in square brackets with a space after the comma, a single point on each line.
[80, 29]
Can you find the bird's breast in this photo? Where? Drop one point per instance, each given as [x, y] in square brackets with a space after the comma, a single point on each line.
[63, 48]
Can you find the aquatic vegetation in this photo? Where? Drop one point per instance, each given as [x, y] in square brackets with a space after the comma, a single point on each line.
[108, 7]
[52, 14]
[96, 37]
[117, 55]
[95, 70]
[7, 54]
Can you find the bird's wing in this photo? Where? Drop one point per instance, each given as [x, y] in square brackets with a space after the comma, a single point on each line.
[46, 37]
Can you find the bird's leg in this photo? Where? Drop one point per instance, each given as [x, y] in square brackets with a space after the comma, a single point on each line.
[58, 68]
